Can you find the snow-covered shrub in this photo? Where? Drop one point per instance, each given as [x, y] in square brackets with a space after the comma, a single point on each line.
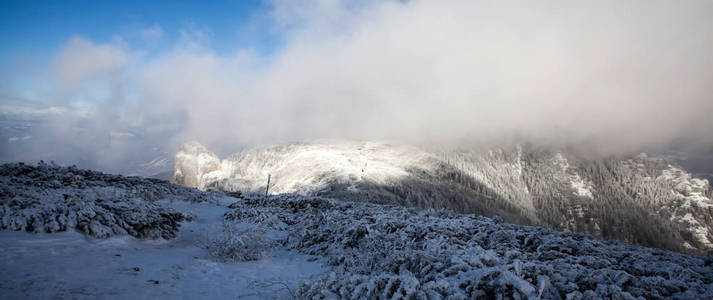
[381, 251]
[240, 242]
[50, 198]
[381, 286]
[44, 176]
[265, 217]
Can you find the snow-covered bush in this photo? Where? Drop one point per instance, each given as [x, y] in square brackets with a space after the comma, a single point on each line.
[264, 217]
[240, 242]
[44, 176]
[386, 252]
[50, 198]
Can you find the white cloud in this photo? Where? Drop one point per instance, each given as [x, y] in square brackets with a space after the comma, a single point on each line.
[115, 134]
[28, 113]
[18, 138]
[620, 74]
[152, 35]
[617, 75]
[81, 59]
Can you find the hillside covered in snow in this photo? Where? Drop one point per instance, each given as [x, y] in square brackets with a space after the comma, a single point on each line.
[226, 246]
[392, 252]
[638, 199]
[49, 198]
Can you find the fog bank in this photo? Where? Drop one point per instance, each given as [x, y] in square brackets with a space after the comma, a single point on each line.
[610, 75]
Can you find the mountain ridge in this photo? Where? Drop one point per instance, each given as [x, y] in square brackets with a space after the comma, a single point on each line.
[640, 199]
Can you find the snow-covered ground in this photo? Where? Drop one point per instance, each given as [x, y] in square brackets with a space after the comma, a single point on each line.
[318, 248]
[70, 265]
[392, 252]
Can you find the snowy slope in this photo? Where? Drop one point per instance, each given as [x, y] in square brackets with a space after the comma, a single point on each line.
[321, 249]
[161, 167]
[68, 265]
[393, 252]
[80, 234]
[635, 198]
[302, 168]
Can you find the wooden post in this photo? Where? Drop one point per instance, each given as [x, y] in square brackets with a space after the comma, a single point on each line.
[267, 188]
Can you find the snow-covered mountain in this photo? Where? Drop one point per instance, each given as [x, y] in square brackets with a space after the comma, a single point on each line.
[90, 235]
[639, 199]
[159, 167]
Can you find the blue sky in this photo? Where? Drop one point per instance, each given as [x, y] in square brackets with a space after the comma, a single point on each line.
[36, 29]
